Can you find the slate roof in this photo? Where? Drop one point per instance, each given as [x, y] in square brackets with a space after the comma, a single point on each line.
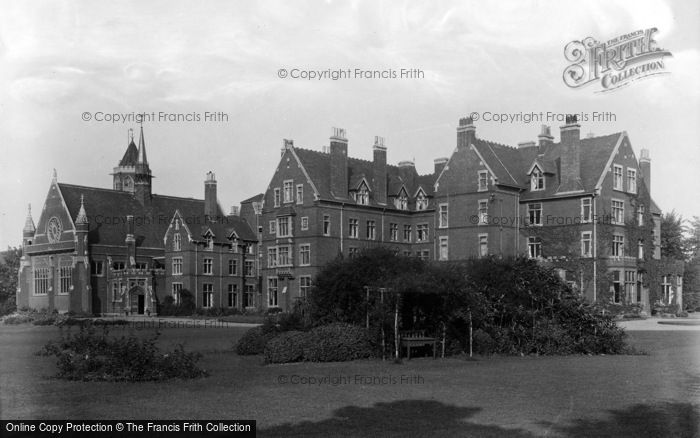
[107, 210]
[257, 198]
[130, 156]
[317, 165]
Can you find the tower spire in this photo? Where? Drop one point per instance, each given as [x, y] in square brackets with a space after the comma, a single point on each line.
[142, 149]
[29, 227]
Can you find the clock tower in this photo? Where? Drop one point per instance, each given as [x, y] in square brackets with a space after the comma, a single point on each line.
[133, 173]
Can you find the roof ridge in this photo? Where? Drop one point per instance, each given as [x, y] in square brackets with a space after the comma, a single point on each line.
[77, 186]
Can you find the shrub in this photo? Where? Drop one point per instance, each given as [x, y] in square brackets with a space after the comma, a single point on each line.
[254, 340]
[89, 356]
[483, 343]
[17, 319]
[337, 342]
[286, 347]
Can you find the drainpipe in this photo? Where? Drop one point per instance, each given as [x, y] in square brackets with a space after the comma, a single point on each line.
[595, 248]
[341, 227]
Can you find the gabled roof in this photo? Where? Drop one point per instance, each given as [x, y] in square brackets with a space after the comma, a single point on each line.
[257, 198]
[107, 210]
[317, 166]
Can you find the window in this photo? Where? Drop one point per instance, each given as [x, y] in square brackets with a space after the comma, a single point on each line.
[402, 201]
[283, 256]
[249, 296]
[421, 201]
[233, 295]
[141, 266]
[233, 267]
[666, 289]
[362, 196]
[483, 245]
[97, 268]
[287, 185]
[249, 268]
[208, 267]
[176, 289]
[534, 213]
[177, 266]
[640, 249]
[407, 253]
[407, 233]
[618, 245]
[534, 247]
[65, 279]
[326, 225]
[177, 242]
[304, 223]
[423, 254]
[273, 227]
[443, 218]
[586, 246]
[118, 266]
[617, 287]
[371, 230]
[537, 180]
[304, 286]
[300, 193]
[618, 211]
[277, 197]
[177, 224]
[272, 257]
[272, 292]
[483, 211]
[352, 251]
[632, 180]
[630, 285]
[483, 184]
[617, 177]
[352, 228]
[640, 215]
[586, 210]
[207, 295]
[284, 226]
[305, 255]
[444, 249]
[393, 232]
[422, 233]
[209, 242]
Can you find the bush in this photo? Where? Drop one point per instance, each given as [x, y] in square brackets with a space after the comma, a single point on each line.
[254, 340]
[286, 347]
[89, 356]
[17, 319]
[337, 342]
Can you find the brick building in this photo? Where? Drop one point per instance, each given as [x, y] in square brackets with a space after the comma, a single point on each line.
[103, 251]
[581, 205]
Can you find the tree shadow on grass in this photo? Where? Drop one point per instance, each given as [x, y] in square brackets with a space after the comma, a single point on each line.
[403, 418]
[679, 420]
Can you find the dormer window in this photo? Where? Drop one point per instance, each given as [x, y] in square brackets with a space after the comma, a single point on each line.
[483, 180]
[362, 196]
[209, 242]
[537, 180]
[402, 202]
[177, 242]
[421, 201]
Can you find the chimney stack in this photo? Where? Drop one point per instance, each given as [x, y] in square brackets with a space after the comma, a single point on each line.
[440, 164]
[545, 138]
[286, 144]
[379, 170]
[570, 178]
[339, 163]
[210, 202]
[466, 132]
[645, 167]
[235, 211]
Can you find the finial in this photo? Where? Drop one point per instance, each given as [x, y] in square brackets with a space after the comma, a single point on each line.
[29, 227]
[131, 136]
[82, 216]
[54, 177]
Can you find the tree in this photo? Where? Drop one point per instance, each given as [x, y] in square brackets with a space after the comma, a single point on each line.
[672, 239]
[9, 269]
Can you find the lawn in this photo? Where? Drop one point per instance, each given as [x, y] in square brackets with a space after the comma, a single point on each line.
[643, 395]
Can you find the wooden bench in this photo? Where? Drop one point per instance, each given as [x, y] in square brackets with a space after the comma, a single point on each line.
[417, 338]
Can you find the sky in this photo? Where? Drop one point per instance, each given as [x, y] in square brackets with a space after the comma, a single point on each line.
[67, 66]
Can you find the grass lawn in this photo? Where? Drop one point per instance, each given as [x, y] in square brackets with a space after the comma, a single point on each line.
[578, 396]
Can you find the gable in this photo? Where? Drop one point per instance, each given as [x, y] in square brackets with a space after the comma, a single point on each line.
[55, 210]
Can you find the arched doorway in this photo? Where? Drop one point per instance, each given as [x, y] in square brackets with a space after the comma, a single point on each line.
[137, 301]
